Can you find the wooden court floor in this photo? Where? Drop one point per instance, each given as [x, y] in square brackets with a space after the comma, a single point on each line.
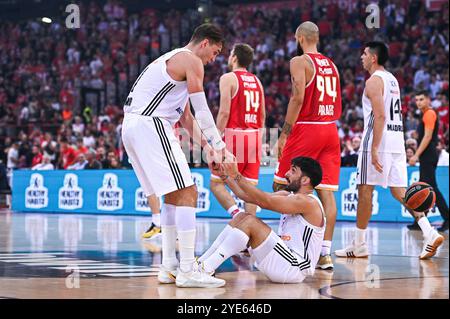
[54, 256]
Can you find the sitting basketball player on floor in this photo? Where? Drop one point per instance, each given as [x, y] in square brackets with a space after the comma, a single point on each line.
[289, 257]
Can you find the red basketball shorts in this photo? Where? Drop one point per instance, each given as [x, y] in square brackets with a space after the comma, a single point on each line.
[246, 147]
[319, 141]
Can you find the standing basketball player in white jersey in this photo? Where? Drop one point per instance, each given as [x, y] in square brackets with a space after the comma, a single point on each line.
[158, 99]
[289, 256]
[382, 158]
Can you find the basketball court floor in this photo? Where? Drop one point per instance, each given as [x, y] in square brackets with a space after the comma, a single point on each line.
[91, 256]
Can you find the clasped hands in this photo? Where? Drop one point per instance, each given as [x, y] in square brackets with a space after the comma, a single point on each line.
[223, 164]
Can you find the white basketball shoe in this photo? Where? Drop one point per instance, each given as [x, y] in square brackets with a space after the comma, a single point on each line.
[166, 275]
[430, 244]
[353, 251]
[197, 278]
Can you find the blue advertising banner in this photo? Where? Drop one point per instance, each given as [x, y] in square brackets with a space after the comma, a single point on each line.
[119, 192]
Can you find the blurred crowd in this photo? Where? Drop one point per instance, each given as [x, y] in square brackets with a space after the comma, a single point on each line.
[45, 69]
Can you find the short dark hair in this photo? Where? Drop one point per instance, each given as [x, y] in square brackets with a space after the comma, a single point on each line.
[208, 31]
[380, 49]
[310, 167]
[423, 92]
[64, 139]
[244, 54]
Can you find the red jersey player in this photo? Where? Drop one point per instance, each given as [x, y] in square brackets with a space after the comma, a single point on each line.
[240, 118]
[310, 128]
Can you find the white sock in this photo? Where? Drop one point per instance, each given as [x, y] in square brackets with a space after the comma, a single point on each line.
[425, 226]
[185, 221]
[168, 236]
[156, 219]
[186, 244]
[326, 248]
[216, 243]
[168, 247]
[360, 236]
[233, 210]
[235, 242]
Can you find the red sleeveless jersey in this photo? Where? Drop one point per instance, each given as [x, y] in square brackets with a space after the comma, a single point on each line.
[322, 101]
[245, 111]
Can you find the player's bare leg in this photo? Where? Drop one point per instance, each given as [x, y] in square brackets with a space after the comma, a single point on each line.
[155, 228]
[254, 227]
[358, 248]
[227, 201]
[364, 208]
[224, 197]
[432, 239]
[329, 206]
[250, 208]
[183, 197]
[244, 230]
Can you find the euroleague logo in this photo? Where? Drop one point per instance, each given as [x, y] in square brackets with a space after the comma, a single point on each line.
[412, 190]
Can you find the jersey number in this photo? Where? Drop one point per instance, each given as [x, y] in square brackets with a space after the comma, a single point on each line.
[395, 109]
[327, 84]
[251, 100]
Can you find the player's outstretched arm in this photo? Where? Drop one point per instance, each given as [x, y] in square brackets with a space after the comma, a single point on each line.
[278, 202]
[197, 98]
[188, 122]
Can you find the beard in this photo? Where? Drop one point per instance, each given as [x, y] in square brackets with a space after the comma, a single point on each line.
[294, 186]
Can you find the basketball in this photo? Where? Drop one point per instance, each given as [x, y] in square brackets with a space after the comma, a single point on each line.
[420, 197]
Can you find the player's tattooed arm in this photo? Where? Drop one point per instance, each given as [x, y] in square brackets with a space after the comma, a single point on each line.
[287, 128]
[298, 79]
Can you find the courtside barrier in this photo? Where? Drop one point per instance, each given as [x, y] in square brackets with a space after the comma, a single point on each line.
[118, 192]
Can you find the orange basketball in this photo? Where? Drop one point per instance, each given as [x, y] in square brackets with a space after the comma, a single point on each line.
[420, 197]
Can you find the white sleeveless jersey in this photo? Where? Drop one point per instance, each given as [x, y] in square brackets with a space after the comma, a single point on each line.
[301, 237]
[155, 93]
[392, 140]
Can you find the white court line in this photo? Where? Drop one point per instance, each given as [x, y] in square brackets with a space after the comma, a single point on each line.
[56, 263]
[26, 257]
[132, 274]
[22, 260]
[30, 254]
[98, 266]
[129, 269]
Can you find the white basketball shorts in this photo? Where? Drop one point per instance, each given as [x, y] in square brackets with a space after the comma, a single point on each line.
[280, 264]
[155, 154]
[394, 170]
